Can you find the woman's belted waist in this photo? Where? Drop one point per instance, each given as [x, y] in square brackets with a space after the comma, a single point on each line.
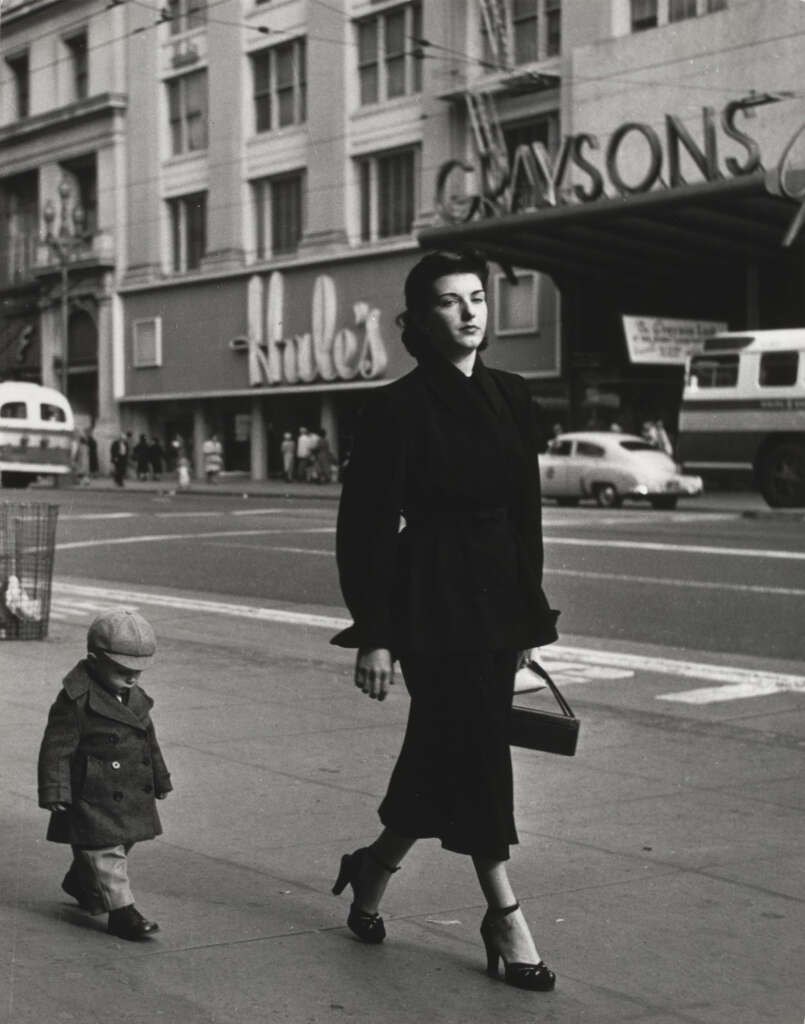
[457, 512]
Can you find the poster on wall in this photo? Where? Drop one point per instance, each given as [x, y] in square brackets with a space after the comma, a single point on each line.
[652, 339]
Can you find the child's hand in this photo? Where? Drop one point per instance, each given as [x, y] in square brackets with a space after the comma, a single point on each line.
[57, 807]
[160, 796]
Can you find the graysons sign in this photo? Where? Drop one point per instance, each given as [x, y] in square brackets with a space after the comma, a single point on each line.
[325, 353]
[534, 179]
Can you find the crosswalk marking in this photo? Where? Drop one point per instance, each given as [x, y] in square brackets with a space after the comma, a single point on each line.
[576, 663]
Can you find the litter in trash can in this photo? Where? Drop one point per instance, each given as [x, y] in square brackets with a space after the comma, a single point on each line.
[27, 548]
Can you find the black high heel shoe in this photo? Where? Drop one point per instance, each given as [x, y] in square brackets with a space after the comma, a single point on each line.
[367, 926]
[535, 977]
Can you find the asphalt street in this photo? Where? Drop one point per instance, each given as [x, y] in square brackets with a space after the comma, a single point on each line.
[661, 868]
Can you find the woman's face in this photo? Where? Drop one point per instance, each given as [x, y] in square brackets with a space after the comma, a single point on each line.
[456, 320]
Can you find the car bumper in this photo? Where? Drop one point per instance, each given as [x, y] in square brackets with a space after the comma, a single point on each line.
[681, 486]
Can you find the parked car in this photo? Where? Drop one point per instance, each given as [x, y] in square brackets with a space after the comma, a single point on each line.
[610, 466]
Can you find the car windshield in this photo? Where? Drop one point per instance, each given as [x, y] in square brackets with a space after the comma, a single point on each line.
[638, 446]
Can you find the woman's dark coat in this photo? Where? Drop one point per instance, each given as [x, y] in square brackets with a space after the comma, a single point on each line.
[458, 458]
[102, 758]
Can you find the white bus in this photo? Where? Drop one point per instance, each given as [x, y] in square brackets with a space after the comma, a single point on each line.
[743, 409]
[37, 433]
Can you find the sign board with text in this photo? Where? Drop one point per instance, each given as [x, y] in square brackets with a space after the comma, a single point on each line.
[663, 340]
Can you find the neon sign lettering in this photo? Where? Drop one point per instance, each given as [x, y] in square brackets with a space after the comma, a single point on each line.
[324, 353]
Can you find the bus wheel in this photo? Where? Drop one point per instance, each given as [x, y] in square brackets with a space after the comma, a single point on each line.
[606, 496]
[782, 475]
[664, 501]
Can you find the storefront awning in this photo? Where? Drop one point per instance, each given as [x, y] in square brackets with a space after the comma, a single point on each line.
[664, 232]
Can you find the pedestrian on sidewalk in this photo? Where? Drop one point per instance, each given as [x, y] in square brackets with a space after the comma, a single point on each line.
[213, 453]
[156, 457]
[119, 455]
[456, 597]
[142, 458]
[101, 769]
[324, 458]
[288, 452]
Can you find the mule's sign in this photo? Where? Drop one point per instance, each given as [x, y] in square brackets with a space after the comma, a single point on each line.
[325, 353]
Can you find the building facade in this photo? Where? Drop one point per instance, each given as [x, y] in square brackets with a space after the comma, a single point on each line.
[255, 178]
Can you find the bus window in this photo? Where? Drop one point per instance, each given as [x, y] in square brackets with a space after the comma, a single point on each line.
[13, 411]
[52, 413]
[778, 369]
[714, 371]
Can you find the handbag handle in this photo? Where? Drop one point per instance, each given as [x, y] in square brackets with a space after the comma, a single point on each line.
[560, 700]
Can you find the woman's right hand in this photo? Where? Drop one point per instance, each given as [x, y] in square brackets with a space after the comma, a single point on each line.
[374, 671]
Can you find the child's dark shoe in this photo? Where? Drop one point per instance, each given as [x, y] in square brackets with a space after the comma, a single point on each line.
[86, 900]
[129, 923]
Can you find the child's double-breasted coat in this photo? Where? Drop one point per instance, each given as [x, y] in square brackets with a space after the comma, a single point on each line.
[102, 758]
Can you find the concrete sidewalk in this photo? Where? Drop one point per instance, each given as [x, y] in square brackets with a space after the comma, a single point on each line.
[661, 868]
[747, 503]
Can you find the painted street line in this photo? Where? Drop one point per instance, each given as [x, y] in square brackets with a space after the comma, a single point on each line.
[695, 549]
[276, 511]
[272, 547]
[99, 515]
[147, 538]
[751, 588]
[183, 515]
[740, 682]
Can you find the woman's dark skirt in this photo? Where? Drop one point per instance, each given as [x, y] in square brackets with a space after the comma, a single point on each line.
[453, 778]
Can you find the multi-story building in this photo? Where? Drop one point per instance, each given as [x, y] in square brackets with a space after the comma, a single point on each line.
[63, 86]
[257, 176]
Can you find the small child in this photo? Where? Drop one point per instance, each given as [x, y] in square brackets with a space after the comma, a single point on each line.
[100, 768]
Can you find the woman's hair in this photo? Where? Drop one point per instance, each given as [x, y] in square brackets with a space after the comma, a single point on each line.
[419, 293]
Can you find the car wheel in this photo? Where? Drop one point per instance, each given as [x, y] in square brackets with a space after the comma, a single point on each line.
[664, 501]
[607, 496]
[782, 475]
[567, 502]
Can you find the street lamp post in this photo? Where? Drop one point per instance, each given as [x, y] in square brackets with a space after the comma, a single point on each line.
[63, 247]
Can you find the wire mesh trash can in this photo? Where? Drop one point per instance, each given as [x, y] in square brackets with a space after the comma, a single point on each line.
[27, 549]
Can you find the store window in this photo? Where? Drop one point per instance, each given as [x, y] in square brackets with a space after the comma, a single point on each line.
[516, 304]
[520, 31]
[187, 112]
[279, 213]
[716, 5]
[389, 60]
[20, 69]
[188, 223]
[779, 369]
[387, 184]
[279, 79]
[78, 51]
[185, 15]
[644, 15]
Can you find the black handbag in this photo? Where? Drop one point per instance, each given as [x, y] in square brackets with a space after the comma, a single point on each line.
[551, 731]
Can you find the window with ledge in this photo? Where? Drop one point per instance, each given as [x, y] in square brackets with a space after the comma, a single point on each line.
[20, 220]
[644, 15]
[187, 112]
[389, 62]
[78, 51]
[647, 13]
[387, 184]
[520, 31]
[147, 342]
[279, 213]
[20, 69]
[279, 78]
[185, 15]
[188, 222]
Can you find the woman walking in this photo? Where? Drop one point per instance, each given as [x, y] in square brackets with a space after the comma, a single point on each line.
[456, 597]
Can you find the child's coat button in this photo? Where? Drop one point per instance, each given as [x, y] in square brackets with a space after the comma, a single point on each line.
[115, 764]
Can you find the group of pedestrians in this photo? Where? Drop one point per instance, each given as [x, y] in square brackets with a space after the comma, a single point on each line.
[307, 457]
[146, 458]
